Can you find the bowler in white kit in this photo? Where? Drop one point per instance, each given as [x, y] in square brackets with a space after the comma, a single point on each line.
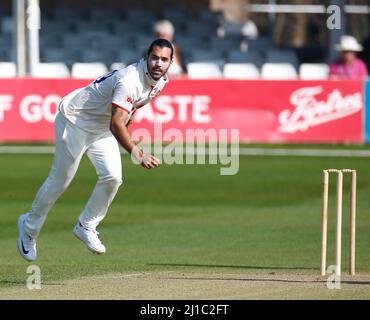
[93, 120]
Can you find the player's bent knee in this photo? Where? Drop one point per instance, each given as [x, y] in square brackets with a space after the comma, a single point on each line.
[114, 181]
[117, 181]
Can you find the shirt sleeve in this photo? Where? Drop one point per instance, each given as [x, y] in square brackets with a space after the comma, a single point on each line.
[124, 96]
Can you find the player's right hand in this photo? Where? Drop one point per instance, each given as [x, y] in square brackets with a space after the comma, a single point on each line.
[147, 161]
[150, 162]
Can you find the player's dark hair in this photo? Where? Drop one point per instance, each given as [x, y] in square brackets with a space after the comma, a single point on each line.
[162, 43]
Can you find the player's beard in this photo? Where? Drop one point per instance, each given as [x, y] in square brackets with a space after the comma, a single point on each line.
[155, 76]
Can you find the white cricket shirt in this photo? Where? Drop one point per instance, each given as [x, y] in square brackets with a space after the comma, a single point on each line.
[129, 88]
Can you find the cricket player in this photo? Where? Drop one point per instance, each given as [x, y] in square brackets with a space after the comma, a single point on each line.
[92, 120]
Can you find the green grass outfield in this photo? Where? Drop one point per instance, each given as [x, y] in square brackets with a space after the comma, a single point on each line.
[188, 219]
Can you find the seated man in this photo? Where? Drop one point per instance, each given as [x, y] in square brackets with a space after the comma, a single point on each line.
[164, 29]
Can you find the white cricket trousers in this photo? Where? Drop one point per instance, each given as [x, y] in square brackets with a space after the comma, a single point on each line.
[71, 143]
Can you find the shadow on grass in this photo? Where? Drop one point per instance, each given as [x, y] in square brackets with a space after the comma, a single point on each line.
[229, 266]
[24, 283]
[355, 282]
[324, 281]
[11, 282]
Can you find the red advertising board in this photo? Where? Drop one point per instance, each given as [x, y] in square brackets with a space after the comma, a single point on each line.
[28, 107]
[262, 111]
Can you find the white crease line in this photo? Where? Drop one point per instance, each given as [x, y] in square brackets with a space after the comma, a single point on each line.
[212, 151]
[27, 150]
[304, 152]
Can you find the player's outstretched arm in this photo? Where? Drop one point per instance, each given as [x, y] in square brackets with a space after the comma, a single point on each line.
[120, 132]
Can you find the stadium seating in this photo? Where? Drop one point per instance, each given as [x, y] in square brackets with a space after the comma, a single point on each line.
[51, 41]
[72, 40]
[199, 70]
[247, 29]
[110, 36]
[65, 14]
[282, 56]
[125, 28]
[95, 55]
[187, 42]
[260, 44]
[99, 14]
[55, 27]
[128, 56]
[241, 71]
[313, 71]
[202, 55]
[51, 70]
[225, 44]
[88, 70]
[200, 29]
[255, 57]
[212, 17]
[142, 43]
[278, 71]
[7, 69]
[140, 14]
[68, 56]
[7, 25]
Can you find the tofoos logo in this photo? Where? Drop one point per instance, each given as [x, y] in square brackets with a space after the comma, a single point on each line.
[309, 111]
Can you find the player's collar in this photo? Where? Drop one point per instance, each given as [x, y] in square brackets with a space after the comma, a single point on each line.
[149, 78]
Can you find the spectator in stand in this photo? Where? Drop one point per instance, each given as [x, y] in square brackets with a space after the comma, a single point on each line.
[164, 29]
[348, 66]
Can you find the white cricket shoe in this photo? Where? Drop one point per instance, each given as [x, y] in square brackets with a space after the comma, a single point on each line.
[26, 244]
[90, 238]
